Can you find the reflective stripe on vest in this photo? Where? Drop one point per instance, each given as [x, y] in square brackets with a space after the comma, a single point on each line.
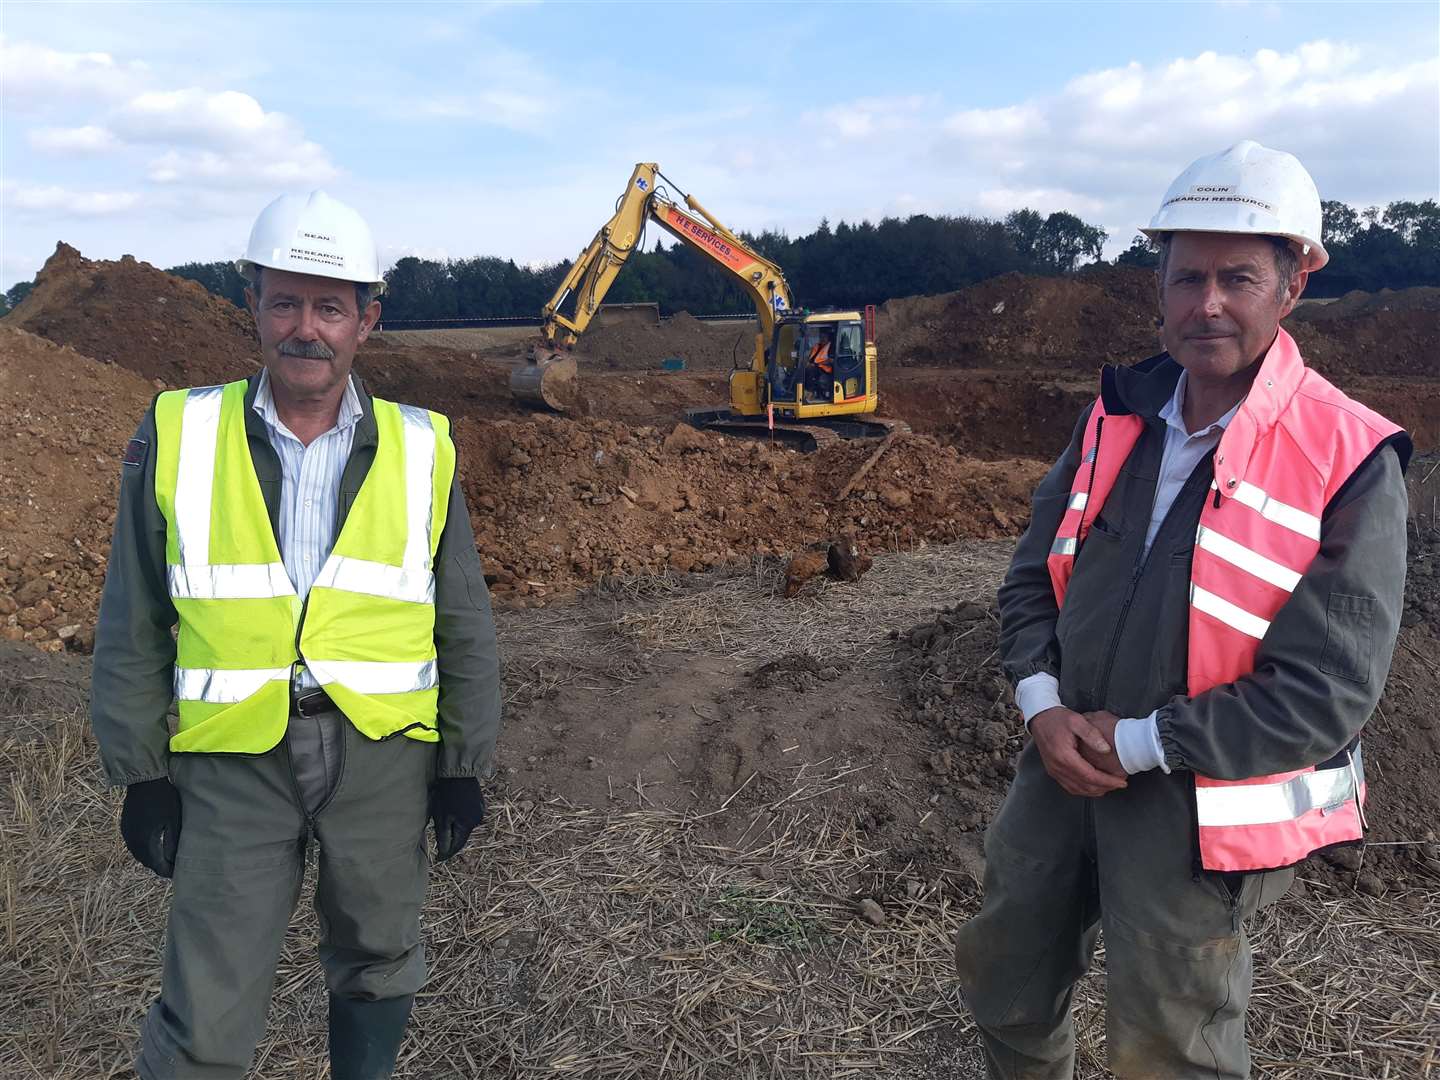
[194, 576]
[1269, 800]
[239, 615]
[1254, 542]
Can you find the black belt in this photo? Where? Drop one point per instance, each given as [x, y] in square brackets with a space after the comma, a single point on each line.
[311, 703]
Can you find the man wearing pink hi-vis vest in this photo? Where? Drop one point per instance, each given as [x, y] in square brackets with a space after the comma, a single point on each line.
[1198, 622]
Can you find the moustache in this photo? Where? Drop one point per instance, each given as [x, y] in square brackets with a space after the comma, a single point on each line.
[306, 350]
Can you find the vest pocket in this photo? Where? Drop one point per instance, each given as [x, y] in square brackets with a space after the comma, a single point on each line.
[1349, 627]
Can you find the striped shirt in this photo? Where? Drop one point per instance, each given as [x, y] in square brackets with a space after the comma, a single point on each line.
[309, 488]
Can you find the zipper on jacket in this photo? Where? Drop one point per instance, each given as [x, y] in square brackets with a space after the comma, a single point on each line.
[1090, 485]
[1141, 561]
[1135, 573]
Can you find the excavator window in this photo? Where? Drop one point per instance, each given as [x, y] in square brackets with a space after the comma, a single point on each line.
[850, 359]
[819, 347]
[786, 362]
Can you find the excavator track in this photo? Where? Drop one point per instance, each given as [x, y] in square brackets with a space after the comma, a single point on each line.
[806, 436]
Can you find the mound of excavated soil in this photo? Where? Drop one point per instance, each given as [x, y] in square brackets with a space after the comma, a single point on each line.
[1015, 320]
[1377, 341]
[68, 420]
[1357, 302]
[702, 345]
[559, 503]
[1105, 315]
[129, 313]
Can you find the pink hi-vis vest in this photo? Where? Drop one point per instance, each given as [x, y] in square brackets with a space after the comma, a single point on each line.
[1290, 447]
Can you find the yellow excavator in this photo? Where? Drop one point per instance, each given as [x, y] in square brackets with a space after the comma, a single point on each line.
[812, 376]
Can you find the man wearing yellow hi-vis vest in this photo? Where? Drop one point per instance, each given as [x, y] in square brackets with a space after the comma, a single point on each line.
[293, 566]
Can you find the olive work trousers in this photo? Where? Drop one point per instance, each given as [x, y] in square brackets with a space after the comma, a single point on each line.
[245, 824]
[1058, 869]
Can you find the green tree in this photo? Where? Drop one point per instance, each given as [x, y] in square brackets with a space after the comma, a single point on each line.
[1024, 228]
[17, 292]
[1065, 240]
[1339, 222]
[418, 288]
[1143, 253]
[221, 278]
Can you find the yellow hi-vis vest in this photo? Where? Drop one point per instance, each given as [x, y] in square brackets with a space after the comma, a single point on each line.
[367, 629]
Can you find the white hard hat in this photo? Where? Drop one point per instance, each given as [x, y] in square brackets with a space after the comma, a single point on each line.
[1248, 188]
[313, 234]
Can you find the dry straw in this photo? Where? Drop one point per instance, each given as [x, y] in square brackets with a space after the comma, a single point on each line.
[571, 942]
[574, 942]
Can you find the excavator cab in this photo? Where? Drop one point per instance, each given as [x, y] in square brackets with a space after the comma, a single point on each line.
[819, 361]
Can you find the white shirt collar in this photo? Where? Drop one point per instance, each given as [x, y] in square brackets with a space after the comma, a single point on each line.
[1173, 413]
[264, 404]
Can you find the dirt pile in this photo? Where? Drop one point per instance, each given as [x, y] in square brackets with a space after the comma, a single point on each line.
[557, 503]
[952, 665]
[1358, 302]
[1376, 341]
[1109, 316]
[129, 313]
[702, 345]
[69, 420]
[1015, 320]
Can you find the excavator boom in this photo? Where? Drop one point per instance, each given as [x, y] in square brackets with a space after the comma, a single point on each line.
[549, 379]
[812, 375]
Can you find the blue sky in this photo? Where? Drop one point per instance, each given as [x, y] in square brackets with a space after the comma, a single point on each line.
[458, 129]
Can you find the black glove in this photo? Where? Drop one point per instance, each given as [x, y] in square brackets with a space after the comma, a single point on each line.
[150, 824]
[456, 807]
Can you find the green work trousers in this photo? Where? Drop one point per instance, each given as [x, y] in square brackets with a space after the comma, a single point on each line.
[1058, 869]
[246, 821]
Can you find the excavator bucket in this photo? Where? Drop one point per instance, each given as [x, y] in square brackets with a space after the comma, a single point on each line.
[547, 380]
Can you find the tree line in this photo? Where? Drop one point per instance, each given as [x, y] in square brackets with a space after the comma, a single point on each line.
[844, 266]
[1371, 249]
[849, 265]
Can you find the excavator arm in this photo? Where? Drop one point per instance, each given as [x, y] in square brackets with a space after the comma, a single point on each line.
[549, 378]
[592, 274]
[601, 261]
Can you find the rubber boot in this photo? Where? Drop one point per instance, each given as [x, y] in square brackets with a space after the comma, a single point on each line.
[365, 1036]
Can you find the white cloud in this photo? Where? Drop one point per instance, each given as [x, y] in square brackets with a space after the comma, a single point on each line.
[500, 108]
[868, 117]
[89, 139]
[1109, 141]
[37, 76]
[211, 139]
[297, 166]
[1010, 122]
[225, 139]
[999, 201]
[55, 199]
[228, 118]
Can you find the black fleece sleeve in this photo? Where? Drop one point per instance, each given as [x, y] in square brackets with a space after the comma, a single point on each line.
[1028, 611]
[465, 647]
[133, 668]
[1322, 666]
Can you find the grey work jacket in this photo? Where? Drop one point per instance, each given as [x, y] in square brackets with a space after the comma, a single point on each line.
[1121, 641]
[132, 684]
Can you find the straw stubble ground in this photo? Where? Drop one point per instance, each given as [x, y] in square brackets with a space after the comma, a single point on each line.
[624, 941]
